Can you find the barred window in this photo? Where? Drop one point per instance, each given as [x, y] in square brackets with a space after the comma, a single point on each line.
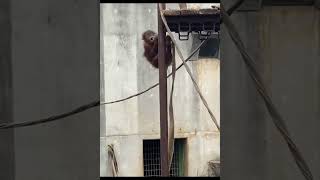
[151, 158]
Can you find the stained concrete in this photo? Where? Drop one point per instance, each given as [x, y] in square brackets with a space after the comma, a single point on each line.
[6, 136]
[55, 68]
[284, 41]
[126, 72]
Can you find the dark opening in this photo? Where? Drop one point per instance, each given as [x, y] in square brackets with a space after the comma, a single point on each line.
[210, 49]
[151, 158]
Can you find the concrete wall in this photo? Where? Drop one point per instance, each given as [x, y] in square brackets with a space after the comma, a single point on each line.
[6, 136]
[55, 68]
[126, 72]
[285, 43]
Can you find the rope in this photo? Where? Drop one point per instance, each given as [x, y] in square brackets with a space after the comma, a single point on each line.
[114, 162]
[171, 113]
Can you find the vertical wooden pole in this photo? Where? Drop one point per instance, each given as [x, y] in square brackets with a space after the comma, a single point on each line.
[163, 95]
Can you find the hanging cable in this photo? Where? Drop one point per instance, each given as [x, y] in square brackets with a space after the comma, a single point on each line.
[155, 85]
[50, 119]
[86, 106]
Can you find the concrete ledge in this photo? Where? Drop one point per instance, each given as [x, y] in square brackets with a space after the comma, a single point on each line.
[191, 12]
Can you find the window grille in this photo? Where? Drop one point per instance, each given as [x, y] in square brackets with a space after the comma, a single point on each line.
[151, 158]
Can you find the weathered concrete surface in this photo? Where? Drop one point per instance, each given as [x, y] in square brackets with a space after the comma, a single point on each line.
[284, 41]
[6, 136]
[127, 72]
[55, 65]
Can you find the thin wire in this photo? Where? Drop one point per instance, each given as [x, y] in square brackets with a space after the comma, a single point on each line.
[276, 116]
[155, 85]
[50, 119]
[84, 107]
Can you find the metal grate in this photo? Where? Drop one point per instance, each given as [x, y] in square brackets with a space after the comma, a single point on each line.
[184, 22]
[151, 158]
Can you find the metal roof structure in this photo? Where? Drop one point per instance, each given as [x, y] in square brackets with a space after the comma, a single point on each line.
[202, 21]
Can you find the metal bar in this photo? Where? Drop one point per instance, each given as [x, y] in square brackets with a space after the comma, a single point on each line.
[163, 95]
